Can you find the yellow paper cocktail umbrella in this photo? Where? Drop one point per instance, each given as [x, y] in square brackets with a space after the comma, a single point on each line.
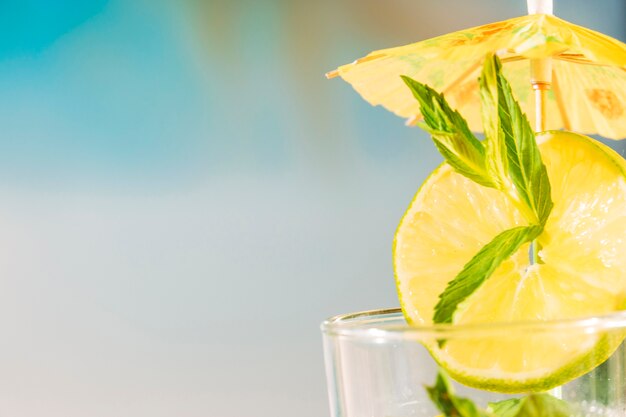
[564, 75]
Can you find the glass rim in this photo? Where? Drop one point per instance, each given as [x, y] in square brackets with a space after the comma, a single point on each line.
[383, 323]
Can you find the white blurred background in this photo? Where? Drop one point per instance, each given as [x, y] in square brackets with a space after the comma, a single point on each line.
[184, 197]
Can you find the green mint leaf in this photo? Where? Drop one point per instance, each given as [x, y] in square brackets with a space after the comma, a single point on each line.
[506, 408]
[495, 145]
[442, 394]
[534, 405]
[525, 167]
[480, 267]
[461, 149]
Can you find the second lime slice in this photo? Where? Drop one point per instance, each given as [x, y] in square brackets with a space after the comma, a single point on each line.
[580, 273]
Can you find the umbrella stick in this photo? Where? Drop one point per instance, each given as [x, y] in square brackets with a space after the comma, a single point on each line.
[540, 69]
[541, 80]
[540, 106]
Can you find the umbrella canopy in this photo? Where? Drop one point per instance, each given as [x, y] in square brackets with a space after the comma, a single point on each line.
[586, 70]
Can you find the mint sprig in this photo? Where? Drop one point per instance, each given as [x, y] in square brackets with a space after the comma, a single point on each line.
[507, 160]
[534, 405]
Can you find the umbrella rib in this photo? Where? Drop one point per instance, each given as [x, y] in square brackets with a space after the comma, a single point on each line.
[462, 77]
[512, 58]
[567, 57]
[582, 60]
[559, 101]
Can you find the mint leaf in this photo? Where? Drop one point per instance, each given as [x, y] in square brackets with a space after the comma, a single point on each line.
[480, 267]
[525, 167]
[442, 394]
[506, 408]
[461, 149]
[495, 146]
[534, 405]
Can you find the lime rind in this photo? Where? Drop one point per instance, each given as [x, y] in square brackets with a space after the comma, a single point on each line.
[437, 171]
[613, 157]
[581, 365]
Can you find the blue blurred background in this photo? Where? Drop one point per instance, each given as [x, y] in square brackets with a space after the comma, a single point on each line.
[184, 197]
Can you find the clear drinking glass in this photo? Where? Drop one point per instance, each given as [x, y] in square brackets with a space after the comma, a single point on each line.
[378, 366]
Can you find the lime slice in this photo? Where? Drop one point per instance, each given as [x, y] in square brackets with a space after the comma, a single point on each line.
[581, 269]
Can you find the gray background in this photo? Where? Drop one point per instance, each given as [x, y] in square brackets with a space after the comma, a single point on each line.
[185, 198]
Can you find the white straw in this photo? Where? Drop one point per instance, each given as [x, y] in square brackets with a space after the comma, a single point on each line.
[540, 6]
